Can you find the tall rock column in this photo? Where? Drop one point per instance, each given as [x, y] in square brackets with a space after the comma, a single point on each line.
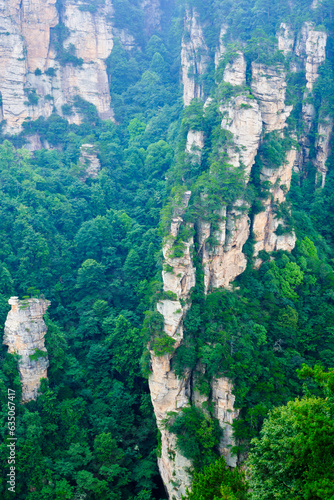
[269, 87]
[311, 49]
[168, 392]
[24, 334]
[194, 57]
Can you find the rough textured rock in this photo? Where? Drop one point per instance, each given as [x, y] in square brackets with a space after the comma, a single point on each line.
[265, 223]
[269, 87]
[224, 399]
[242, 117]
[26, 46]
[91, 35]
[195, 142]
[311, 49]
[194, 57]
[89, 160]
[311, 46]
[168, 393]
[286, 39]
[221, 47]
[225, 261]
[325, 128]
[24, 334]
[235, 72]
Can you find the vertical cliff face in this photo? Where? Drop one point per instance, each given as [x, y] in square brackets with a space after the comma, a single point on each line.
[247, 117]
[24, 334]
[32, 80]
[194, 56]
[311, 51]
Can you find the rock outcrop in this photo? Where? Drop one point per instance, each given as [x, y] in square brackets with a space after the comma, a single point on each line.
[89, 161]
[24, 334]
[286, 39]
[33, 80]
[269, 87]
[325, 128]
[266, 223]
[235, 72]
[311, 51]
[194, 57]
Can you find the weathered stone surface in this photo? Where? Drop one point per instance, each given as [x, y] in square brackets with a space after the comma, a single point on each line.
[311, 49]
[168, 393]
[311, 46]
[269, 87]
[194, 57]
[265, 223]
[325, 128]
[242, 117]
[195, 141]
[286, 39]
[235, 72]
[24, 334]
[37, 18]
[224, 399]
[221, 47]
[25, 46]
[89, 160]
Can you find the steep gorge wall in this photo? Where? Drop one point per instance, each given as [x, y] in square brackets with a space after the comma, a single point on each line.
[248, 118]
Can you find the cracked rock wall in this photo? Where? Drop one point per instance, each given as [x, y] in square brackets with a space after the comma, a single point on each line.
[248, 119]
[26, 46]
[24, 334]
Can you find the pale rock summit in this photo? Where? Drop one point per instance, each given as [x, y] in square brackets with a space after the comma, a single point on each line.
[24, 334]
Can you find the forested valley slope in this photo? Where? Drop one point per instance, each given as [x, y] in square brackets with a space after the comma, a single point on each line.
[167, 249]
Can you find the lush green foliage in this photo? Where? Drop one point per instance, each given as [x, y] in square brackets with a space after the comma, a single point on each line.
[293, 458]
[92, 247]
[198, 435]
[217, 481]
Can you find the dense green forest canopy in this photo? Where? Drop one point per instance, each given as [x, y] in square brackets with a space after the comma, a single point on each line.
[93, 248]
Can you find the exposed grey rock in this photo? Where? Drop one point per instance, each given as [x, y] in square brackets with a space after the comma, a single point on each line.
[24, 334]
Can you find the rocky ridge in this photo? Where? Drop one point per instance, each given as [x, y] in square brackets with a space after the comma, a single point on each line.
[248, 119]
[24, 334]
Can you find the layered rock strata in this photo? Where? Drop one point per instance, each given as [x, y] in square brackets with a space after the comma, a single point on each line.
[24, 335]
[32, 80]
[269, 87]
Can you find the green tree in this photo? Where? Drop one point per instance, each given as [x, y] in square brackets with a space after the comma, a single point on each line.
[293, 458]
[217, 481]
